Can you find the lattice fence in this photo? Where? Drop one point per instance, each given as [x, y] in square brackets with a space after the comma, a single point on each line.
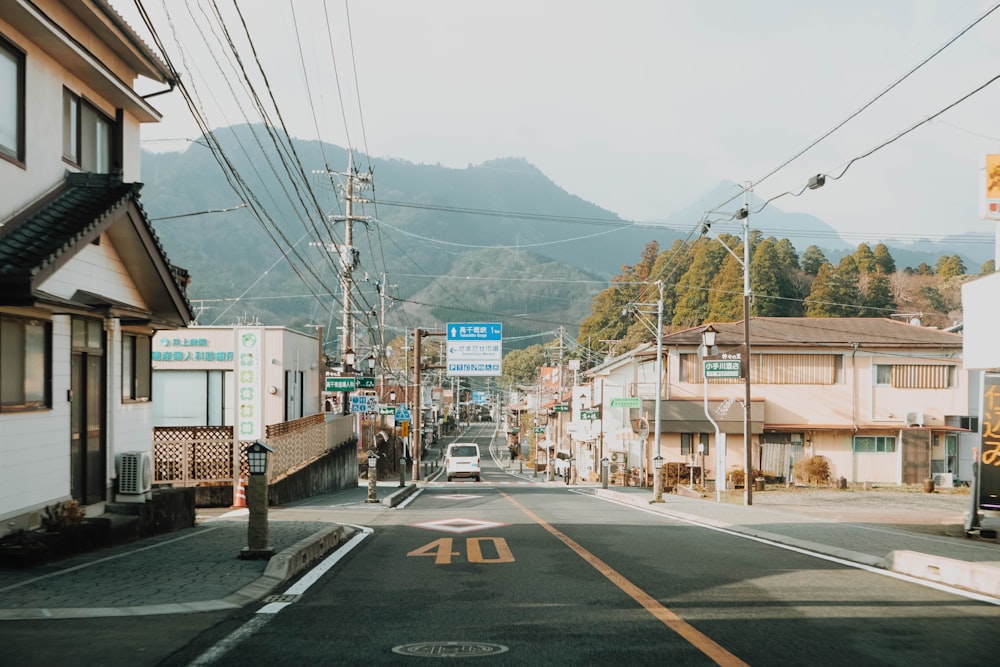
[192, 455]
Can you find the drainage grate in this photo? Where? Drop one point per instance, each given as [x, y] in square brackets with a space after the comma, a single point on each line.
[450, 649]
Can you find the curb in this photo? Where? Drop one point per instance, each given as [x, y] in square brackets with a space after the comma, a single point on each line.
[399, 496]
[980, 577]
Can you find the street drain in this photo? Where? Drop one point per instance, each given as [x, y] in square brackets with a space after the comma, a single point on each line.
[450, 649]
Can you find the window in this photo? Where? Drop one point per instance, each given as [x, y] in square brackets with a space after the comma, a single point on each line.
[136, 367]
[11, 102]
[25, 355]
[874, 443]
[915, 376]
[688, 445]
[87, 135]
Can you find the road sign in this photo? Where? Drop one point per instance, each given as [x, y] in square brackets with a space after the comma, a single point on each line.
[723, 368]
[474, 349]
[364, 403]
[626, 402]
[402, 414]
[366, 382]
[590, 414]
[560, 407]
[339, 383]
[539, 429]
[386, 410]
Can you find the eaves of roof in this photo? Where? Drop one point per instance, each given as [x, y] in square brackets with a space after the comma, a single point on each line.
[47, 234]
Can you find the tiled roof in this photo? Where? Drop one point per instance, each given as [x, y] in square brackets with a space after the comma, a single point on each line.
[821, 331]
[37, 242]
[76, 214]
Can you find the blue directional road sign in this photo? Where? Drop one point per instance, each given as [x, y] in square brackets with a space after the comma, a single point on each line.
[475, 348]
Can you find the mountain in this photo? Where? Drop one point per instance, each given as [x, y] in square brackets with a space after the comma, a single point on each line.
[497, 241]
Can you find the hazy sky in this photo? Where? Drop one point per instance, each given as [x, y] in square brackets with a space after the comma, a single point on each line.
[637, 106]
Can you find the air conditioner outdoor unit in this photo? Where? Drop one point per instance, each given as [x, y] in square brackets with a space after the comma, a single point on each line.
[135, 477]
[618, 456]
[915, 418]
[944, 480]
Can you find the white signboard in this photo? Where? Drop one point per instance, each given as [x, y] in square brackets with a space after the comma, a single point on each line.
[475, 348]
[249, 383]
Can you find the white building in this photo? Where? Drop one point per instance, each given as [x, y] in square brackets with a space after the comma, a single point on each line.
[84, 281]
[194, 374]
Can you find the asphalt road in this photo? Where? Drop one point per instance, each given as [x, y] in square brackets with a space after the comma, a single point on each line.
[509, 571]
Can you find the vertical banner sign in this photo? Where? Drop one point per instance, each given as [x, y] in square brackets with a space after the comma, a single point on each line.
[249, 384]
[475, 348]
[989, 459]
[991, 189]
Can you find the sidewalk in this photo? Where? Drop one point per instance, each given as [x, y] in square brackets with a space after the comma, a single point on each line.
[910, 536]
[198, 569]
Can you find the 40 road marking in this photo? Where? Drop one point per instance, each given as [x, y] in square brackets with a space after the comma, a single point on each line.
[443, 551]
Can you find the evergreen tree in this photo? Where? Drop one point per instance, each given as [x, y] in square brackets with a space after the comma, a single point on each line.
[768, 281]
[950, 267]
[692, 289]
[812, 259]
[884, 259]
[835, 291]
[787, 256]
[923, 269]
[879, 300]
[865, 259]
[987, 267]
[725, 298]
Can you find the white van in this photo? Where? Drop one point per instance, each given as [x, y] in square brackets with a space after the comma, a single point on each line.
[561, 462]
[461, 459]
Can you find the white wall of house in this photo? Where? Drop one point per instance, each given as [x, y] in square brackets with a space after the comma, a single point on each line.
[34, 446]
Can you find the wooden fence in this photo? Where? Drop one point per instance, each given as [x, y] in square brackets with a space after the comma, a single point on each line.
[195, 455]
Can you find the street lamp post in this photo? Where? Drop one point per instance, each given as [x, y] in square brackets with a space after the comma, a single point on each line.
[258, 547]
[347, 371]
[658, 479]
[707, 345]
[372, 475]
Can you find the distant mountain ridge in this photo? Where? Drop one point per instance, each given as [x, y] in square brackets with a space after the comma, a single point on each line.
[541, 252]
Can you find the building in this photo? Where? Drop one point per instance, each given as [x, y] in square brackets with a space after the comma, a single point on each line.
[194, 375]
[884, 401]
[84, 281]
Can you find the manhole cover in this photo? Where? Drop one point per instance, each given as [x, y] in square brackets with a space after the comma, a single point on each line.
[450, 649]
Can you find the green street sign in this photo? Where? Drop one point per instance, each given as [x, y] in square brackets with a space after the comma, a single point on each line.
[387, 409]
[590, 414]
[723, 368]
[366, 382]
[560, 407]
[340, 384]
[627, 402]
[539, 429]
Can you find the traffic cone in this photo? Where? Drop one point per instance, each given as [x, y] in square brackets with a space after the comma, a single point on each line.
[241, 495]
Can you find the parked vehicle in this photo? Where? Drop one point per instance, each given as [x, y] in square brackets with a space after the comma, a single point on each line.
[462, 460]
[561, 463]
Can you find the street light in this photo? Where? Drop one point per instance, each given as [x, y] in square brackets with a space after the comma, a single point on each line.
[370, 361]
[372, 475]
[257, 547]
[707, 348]
[658, 479]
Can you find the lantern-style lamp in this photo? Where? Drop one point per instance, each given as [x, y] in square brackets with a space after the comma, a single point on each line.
[257, 457]
[708, 337]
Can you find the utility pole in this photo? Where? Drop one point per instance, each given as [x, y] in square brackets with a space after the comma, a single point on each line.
[417, 433]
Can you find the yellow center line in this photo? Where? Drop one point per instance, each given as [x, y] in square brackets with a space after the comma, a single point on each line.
[696, 638]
